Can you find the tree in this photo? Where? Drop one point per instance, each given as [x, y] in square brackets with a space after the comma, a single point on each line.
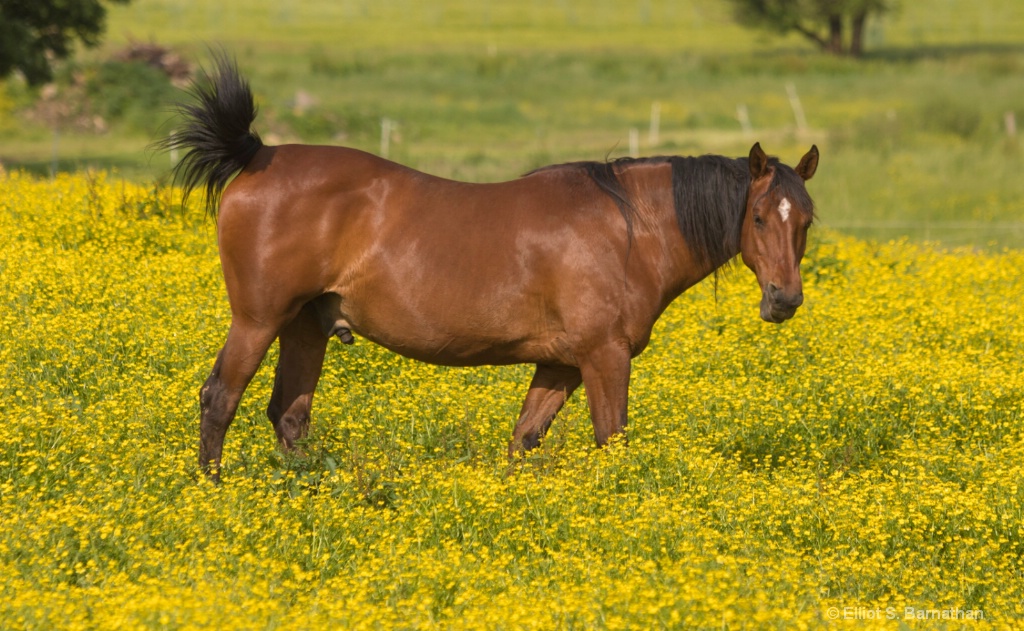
[34, 33]
[821, 21]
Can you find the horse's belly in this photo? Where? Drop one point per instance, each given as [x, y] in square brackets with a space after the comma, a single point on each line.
[461, 352]
[450, 346]
[453, 338]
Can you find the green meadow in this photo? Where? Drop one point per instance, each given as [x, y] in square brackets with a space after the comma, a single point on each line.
[914, 137]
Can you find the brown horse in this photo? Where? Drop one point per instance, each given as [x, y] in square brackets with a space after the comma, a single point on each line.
[567, 267]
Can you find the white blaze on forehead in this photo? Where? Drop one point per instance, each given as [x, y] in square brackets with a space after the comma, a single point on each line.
[784, 207]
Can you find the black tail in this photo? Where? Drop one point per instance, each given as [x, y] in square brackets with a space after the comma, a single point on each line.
[217, 132]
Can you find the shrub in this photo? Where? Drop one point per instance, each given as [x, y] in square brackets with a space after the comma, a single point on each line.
[131, 93]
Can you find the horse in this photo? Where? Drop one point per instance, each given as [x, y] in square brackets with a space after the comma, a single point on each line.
[567, 267]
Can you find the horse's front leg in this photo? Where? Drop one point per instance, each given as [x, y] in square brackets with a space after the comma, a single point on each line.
[550, 388]
[605, 372]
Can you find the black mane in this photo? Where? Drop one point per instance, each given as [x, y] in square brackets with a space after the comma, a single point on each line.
[709, 194]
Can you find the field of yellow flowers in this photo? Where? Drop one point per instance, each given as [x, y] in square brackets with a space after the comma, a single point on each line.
[860, 465]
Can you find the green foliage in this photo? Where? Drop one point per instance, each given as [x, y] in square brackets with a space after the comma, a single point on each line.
[34, 31]
[823, 22]
[322, 63]
[954, 116]
[7, 120]
[346, 125]
[132, 93]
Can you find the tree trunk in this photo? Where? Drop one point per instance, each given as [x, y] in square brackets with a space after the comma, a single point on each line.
[835, 34]
[857, 33]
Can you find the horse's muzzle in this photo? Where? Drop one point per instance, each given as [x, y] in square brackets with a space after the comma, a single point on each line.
[778, 306]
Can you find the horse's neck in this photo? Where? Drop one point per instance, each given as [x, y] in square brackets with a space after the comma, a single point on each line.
[661, 207]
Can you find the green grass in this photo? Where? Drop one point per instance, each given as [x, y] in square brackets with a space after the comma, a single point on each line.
[912, 138]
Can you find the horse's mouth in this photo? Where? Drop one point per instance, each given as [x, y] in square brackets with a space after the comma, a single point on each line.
[776, 313]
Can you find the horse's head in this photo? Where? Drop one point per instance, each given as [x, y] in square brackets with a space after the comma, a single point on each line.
[774, 233]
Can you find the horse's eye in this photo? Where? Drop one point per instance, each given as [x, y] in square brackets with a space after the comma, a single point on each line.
[758, 221]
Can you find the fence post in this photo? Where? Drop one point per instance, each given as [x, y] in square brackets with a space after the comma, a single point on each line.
[652, 136]
[174, 151]
[385, 136]
[744, 117]
[55, 151]
[798, 109]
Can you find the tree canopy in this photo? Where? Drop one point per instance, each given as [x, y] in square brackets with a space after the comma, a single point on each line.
[34, 33]
[824, 22]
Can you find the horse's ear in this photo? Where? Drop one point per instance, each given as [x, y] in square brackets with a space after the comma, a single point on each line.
[808, 164]
[758, 161]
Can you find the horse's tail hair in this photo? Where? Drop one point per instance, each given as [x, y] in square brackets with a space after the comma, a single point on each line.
[216, 131]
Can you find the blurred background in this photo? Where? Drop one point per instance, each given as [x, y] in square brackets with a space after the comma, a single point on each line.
[916, 106]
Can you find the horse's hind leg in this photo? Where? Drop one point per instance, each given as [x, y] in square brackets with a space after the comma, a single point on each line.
[550, 389]
[303, 345]
[236, 364]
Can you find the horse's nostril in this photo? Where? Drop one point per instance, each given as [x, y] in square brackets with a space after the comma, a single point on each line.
[778, 296]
